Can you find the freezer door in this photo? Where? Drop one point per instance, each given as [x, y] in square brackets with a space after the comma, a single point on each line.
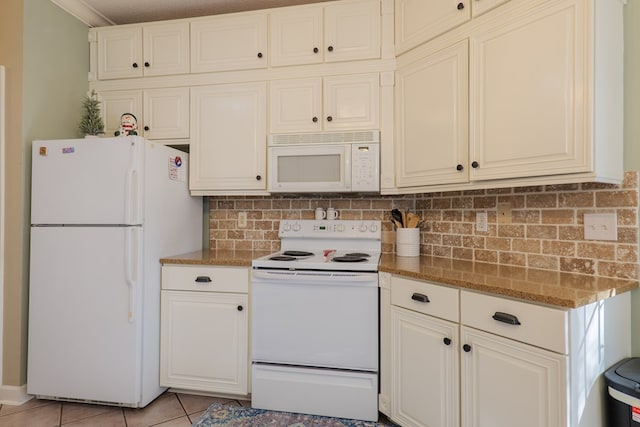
[84, 300]
[87, 181]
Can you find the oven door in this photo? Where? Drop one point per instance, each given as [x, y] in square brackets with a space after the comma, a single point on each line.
[315, 318]
[319, 168]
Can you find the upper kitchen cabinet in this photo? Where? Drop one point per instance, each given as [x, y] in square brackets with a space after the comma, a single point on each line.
[161, 113]
[229, 42]
[544, 103]
[432, 118]
[328, 32]
[143, 50]
[418, 21]
[229, 139]
[330, 103]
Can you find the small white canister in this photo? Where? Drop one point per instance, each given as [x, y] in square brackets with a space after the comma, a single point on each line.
[408, 241]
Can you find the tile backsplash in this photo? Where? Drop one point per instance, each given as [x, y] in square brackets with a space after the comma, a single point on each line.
[545, 231]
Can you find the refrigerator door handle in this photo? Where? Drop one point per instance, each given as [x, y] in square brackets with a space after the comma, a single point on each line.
[131, 197]
[130, 265]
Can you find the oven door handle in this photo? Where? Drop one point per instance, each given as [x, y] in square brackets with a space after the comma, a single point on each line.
[307, 277]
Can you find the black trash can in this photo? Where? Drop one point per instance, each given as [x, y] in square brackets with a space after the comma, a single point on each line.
[623, 393]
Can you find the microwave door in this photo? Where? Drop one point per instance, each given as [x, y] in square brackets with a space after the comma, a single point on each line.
[310, 168]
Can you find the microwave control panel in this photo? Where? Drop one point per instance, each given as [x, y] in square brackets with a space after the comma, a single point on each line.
[365, 167]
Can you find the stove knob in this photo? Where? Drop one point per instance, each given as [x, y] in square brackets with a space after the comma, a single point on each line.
[363, 227]
[373, 228]
[296, 227]
[340, 228]
[286, 226]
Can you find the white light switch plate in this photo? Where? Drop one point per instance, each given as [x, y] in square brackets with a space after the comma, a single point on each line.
[601, 226]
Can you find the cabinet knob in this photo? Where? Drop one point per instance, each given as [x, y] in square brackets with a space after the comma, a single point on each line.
[475, 164]
[135, 65]
[460, 6]
[146, 128]
[240, 308]
[329, 118]
[203, 279]
[315, 50]
[259, 54]
[466, 348]
[446, 341]
[146, 64]
[258, 178]
[330, 48]
[315, 120]
[459, 168]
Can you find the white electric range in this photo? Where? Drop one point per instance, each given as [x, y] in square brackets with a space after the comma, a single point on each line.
[315, 320]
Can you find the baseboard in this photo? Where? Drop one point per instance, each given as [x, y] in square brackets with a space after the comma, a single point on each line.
[14, 395]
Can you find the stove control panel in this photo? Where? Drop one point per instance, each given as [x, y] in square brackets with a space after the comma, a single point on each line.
[331, 229]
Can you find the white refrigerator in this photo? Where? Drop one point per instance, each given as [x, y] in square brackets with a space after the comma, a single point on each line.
[103, 212]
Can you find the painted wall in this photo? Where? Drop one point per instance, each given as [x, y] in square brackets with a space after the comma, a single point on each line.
[47, 81]
[632, 124]
[11, 54]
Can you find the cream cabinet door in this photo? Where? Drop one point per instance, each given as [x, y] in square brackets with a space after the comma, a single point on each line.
[506, 383]
[295, 105]
[115, 104]
[166, 113]
[166, 49]
[529, 95]
[425, 369]
[149, 50]
[418, 21]
[432, 119]
[352, 102]
[205, 341]
[120, 53]
[228, 138]
[352, 30]
[223, 43]
[296, 36]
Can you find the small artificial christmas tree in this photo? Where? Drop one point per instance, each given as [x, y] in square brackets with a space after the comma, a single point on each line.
[91, 123]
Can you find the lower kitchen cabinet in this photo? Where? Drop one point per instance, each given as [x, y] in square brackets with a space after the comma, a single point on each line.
[425, 370]
[508, 383]
[204, 329]
[463, 358]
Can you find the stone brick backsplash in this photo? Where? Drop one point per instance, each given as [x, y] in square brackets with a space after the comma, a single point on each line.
[545, 232]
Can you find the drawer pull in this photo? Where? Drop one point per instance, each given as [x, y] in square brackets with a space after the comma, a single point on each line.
[203, 279]
[420, 297]
[506, 318]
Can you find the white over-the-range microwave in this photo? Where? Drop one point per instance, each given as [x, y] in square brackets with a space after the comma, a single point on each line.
[324, 162]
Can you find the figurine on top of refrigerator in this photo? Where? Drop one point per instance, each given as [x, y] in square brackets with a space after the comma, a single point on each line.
[128, 125]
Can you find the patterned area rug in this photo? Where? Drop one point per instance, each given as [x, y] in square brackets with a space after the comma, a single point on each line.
[237, 416]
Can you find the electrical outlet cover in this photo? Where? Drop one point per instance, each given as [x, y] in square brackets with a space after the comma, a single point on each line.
[601, 226]
[482, 222]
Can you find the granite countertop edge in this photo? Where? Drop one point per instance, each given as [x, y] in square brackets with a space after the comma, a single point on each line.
[554, 288]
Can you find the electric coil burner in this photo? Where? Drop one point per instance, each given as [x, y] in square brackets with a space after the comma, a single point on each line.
[315, 320]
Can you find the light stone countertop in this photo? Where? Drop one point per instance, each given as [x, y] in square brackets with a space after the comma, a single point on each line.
[539, 286]
[220, 257]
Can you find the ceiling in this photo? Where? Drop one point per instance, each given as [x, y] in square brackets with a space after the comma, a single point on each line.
[98, 13]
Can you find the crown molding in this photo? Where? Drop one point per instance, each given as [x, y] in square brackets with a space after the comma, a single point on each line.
[84, 12]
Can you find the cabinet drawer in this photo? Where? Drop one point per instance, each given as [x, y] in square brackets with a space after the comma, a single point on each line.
[440, 301]
[540, 326]
[205, 279]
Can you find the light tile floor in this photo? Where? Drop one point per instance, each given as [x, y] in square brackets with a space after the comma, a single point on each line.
[168, 410]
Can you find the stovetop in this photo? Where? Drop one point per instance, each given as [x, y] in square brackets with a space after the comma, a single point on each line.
[326, 245]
